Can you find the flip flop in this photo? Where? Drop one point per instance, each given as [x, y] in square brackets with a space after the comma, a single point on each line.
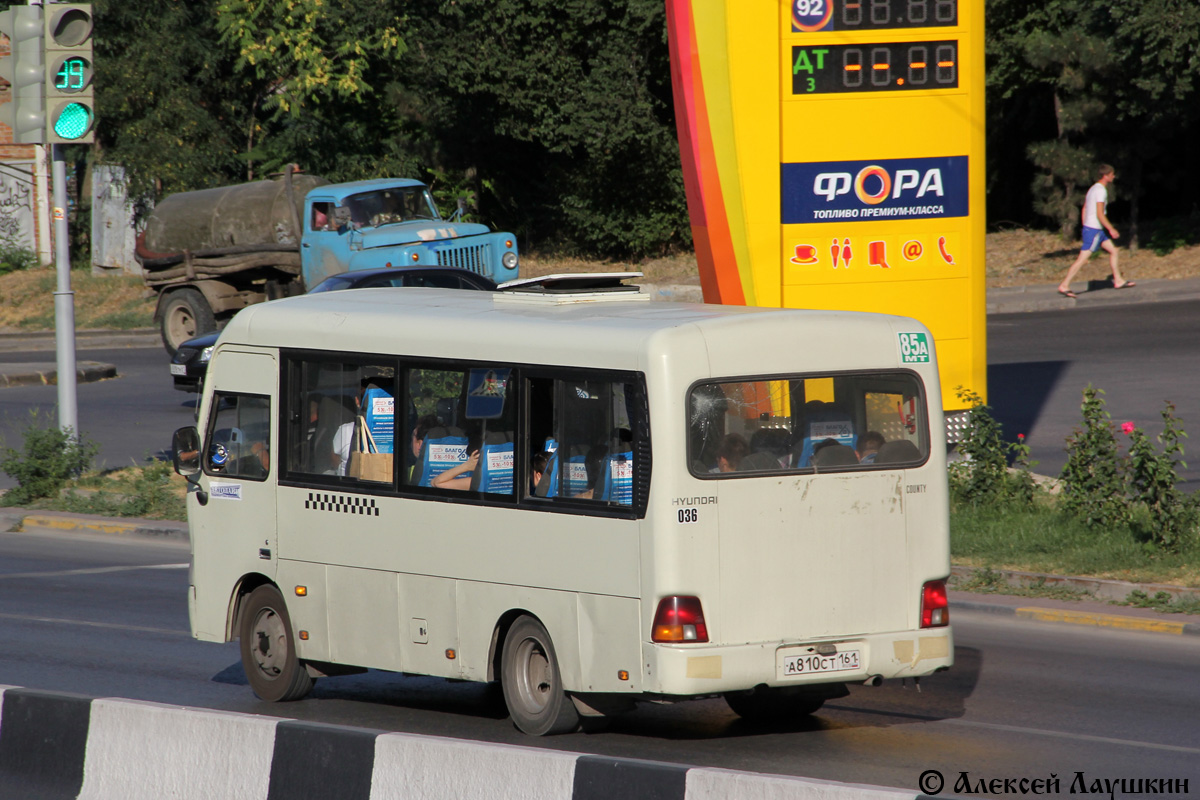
[1126, 285]
[1071, 294]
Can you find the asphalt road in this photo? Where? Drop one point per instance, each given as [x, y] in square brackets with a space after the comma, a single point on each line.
[131, 416]
[107, 617]
[1141, 356]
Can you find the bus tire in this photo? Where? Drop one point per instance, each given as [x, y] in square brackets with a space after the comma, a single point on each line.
[185, 315]
[767, 704]
[269, 656]
[532, 683]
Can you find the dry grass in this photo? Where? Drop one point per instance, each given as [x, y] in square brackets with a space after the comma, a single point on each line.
[1014, 258]
[1026, 258]
[27, 301]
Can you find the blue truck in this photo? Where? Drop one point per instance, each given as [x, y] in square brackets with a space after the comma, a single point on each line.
[210, 253]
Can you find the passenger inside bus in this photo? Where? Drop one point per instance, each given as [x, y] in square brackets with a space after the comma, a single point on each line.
[459, 476]
[732, 450]
[868, 446]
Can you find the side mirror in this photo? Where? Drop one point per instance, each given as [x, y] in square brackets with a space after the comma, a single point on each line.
[185, 451]
[185, 455]
[462, 209]
[341, 217]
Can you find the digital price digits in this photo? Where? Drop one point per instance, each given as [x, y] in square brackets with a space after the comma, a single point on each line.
[891, 67]
[858, 15]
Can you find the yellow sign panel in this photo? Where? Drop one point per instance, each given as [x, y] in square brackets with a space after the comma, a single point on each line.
[833, 152]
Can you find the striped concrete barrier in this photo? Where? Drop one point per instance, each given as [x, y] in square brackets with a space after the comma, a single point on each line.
[57, 746]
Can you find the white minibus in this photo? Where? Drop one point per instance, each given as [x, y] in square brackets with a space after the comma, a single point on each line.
[588, 497]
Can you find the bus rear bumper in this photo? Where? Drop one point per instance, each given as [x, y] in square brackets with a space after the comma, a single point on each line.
[706, 669]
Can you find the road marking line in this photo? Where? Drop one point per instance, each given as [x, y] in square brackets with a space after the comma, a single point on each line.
[1101, 620]
[1079, 736]
[88, 571]
[111, 625]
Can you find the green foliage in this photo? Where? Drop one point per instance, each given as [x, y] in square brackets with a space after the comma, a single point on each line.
[1093, 486]
[146, 494]
[1164, 602]
[51, 457]
[982, 475]
[554, 119]
[1163, 516]
[15, 257]
[1071, 82]
[309, 50]
[1167, 235]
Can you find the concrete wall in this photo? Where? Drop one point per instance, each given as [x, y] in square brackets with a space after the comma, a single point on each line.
[55, 745]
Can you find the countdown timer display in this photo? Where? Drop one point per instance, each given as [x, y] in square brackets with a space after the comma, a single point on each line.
[72, 74]
[809, 16]
[883, 67]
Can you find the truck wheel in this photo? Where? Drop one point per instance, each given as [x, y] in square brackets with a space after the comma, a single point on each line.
[186, 315]
[269, 657]
[531, 681]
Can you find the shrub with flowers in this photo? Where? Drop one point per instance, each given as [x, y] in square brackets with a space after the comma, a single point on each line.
[1161, 514]
[1093, 487]
[982, 474]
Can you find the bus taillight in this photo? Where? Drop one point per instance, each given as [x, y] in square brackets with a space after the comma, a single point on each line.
[679, 619]
[935, 605]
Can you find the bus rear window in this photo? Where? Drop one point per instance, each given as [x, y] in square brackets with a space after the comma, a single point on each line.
[807, 424]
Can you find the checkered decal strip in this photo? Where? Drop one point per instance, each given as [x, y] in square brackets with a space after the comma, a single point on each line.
[341, 504]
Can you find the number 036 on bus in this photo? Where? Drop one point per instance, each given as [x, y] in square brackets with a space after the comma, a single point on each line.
[562, 487]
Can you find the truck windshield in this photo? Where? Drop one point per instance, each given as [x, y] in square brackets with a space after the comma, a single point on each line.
[385, 206]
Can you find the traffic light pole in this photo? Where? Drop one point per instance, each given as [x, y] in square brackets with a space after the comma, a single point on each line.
[64, 300]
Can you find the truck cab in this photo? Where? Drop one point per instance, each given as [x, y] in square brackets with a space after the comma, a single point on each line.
[391, 223]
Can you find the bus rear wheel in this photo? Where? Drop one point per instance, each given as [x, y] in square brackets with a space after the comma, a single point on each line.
[269, 656]
[768, 704]
[532, 683]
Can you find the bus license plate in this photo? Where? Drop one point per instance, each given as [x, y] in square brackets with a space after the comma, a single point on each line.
[813, 663]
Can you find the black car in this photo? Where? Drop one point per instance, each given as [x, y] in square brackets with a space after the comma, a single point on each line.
[190, 362]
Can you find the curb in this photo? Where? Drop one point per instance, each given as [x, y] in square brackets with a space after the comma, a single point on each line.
[1102, 588]
[61, 745]
[1099, 293]
[44, 374]
[1088, 618]
[88, 338]
[84, 523]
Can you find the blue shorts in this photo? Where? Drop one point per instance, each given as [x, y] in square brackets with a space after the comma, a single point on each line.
[1093, 238]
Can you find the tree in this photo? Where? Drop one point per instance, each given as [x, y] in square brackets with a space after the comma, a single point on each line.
[167, 109]
[564, 106]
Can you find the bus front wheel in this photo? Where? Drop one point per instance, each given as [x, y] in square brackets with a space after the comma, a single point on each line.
[269, 656]
[532, 683]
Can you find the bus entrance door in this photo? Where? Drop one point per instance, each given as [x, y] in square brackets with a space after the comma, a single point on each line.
[237, 524]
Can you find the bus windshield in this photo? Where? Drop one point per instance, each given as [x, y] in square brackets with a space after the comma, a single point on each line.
[807, 424]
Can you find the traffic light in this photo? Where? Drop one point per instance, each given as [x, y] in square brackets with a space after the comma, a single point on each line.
[25, 72]
[70, 113]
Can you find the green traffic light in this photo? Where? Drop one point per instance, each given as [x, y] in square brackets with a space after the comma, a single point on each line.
[73, 122]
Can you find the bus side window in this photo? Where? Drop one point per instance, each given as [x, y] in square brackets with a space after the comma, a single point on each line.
[588, 423]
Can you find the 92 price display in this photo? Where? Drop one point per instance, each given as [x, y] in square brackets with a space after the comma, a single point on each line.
[898, 66]
[809, 16]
